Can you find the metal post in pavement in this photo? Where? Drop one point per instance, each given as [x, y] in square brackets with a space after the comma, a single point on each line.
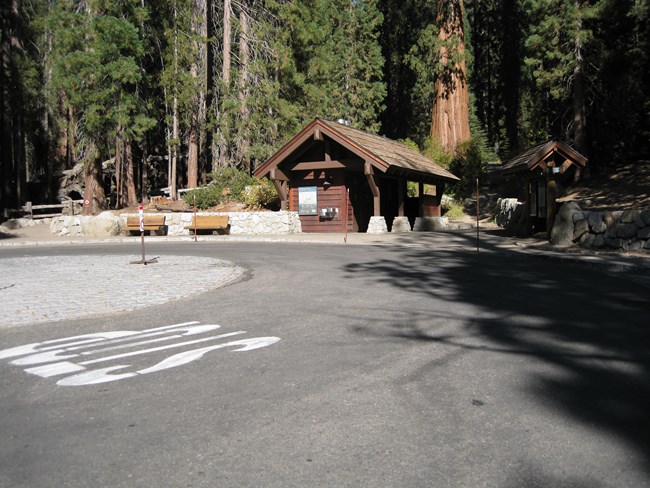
[143, 260]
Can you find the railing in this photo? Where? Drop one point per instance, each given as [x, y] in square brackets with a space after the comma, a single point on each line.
[30, 209]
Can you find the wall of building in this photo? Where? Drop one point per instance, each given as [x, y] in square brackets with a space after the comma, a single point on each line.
[331, 193]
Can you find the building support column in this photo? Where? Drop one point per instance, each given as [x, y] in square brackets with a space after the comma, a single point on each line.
[420, 199]
[401, 196]
[280, 182]
[374, 188]
[551, 194]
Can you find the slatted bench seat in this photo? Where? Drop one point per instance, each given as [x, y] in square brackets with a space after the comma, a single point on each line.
[152, 223]
[209, 222]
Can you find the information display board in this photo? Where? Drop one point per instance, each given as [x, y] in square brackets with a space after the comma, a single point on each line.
[308, 200]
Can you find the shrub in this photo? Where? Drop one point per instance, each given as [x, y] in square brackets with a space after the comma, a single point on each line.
[412, 189]
[261, 195]
[452, 210]
[231, 184]
[206, 197]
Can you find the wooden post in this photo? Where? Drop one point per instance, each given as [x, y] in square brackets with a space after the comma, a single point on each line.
[195, 239]
[550, 198]
[478, 213]
[280, 188]
[401, 195]
[374, 188]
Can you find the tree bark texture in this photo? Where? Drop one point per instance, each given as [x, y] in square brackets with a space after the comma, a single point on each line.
[129, 176]
[12, 152]
[227, 33]
[197, 117]
[244, 57]
[450, 115]
[579, 104]
[93, 186]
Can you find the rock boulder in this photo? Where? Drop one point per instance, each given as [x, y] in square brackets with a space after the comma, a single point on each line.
[563, 227]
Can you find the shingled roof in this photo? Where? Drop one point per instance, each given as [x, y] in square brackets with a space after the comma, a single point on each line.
[530, 159]
[387, 155]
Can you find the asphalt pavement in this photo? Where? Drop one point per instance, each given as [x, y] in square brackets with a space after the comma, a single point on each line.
[396, 360]
[48, 289]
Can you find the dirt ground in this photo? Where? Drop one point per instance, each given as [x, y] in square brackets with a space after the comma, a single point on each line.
[615, 188]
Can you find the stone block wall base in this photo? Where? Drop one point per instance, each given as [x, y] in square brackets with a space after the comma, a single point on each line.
[628, 230]
[377, 225]
[241, 223]
[401, 224]
[428, 224]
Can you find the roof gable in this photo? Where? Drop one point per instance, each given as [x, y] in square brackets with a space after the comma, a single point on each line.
[380, 152]
[537, 155]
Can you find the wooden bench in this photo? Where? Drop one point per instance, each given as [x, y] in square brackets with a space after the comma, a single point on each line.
[209, 222]
[155, 223]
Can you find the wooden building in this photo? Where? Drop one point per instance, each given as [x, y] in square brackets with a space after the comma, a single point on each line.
[536, 177]
[337, 178]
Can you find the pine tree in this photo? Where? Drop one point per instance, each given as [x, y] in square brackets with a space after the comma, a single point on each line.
[97, 72]
[556, 48]
[339, 59]
[619, 126]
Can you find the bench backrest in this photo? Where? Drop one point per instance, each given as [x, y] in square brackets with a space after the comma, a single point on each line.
[211, 220]
[134, 221]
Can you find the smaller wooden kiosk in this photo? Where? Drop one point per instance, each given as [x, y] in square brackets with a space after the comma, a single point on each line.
[534, 176]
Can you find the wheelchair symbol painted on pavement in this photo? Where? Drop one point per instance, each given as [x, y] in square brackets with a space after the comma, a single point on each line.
[79, 360]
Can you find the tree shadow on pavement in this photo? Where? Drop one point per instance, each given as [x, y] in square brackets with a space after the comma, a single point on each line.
[591, 327]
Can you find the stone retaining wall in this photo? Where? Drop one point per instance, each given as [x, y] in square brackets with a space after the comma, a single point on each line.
[241, 223]
[628, 230]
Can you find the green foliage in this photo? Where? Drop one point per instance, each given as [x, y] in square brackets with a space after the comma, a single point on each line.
[469, 164]
[97, 67]
[231, 184]
[78, 75]
[337, 61]
[232, 178]
[433, 150]
[412, 189]
[261, 195]
[205, 197]
[452, 210]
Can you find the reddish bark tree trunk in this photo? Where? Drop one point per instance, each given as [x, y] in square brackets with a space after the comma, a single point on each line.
[129, 176]
[94, 196]
[450, 117]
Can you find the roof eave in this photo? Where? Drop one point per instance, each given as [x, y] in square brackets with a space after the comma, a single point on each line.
[309, 131]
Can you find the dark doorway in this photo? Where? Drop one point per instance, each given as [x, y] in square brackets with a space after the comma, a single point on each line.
[361, 201]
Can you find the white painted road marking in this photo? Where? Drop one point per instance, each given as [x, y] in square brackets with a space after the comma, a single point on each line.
[53, 358]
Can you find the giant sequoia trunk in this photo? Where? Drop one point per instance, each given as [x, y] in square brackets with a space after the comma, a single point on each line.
[94, 196]
[450, 117]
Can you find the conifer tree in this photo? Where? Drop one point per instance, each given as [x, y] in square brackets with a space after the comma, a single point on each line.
[338, 56]
[97, 69]
[559, 36]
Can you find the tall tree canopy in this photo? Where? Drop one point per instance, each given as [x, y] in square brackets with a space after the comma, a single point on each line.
[160, 93]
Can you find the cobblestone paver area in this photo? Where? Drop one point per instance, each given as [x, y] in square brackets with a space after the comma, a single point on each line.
[43, 289]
